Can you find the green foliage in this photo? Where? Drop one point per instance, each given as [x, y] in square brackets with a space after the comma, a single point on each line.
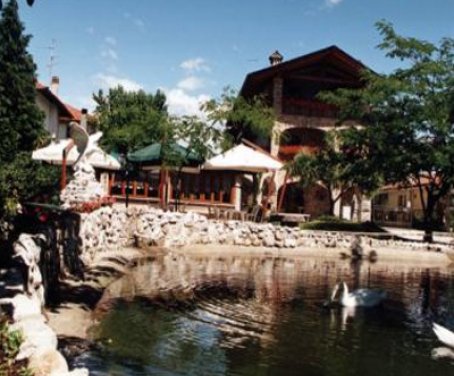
[329, 223]
[131, 120]
[21, 122]
[242, 117]
[24, 179]
[408, 117]
[10, 342]
[336, 169]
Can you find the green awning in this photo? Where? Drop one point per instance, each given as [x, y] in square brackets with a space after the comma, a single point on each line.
[156, 153]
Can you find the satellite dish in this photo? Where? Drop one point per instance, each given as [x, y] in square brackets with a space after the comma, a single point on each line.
[80, 137]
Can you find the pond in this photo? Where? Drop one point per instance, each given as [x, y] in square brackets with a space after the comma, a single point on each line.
[230, 315]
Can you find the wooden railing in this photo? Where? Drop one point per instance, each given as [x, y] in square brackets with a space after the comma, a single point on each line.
[308, 107]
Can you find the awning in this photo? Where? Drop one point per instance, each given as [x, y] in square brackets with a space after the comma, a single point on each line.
[53, 154]
[155, 154]
[243, 158]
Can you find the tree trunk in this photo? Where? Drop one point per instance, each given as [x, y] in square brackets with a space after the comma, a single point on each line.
[428, 218]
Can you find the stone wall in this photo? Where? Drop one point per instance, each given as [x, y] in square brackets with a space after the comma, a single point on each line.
[22, 296]
[116, 227]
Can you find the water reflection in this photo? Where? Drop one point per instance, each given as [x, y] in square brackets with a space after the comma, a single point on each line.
[233, 315]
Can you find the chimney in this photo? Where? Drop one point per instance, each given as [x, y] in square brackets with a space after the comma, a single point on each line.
[83, 118]
[276, 58]
[54, 83]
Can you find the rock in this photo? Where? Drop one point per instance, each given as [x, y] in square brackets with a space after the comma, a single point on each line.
[48, 362]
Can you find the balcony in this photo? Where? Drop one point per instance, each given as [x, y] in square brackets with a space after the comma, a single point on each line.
[308, 107]
[288, 152]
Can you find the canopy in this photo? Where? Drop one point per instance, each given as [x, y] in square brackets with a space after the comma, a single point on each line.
[243, 158]
[97, 157]
[154, 154]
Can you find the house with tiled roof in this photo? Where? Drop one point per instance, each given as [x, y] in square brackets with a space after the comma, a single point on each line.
[291, 88]
[58, 114]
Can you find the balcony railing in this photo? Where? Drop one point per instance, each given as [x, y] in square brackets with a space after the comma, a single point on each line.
[287, 152]
[307, 107]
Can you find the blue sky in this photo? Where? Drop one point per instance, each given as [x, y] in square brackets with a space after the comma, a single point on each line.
[193, 48]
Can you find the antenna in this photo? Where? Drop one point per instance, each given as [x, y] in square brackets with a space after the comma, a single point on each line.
[52, 57]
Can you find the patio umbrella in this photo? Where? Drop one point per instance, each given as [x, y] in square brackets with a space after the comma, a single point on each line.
[155, 154]
[243, 158]
[53, 154]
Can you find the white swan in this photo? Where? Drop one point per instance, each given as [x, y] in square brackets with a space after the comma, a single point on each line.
[444, 335]
[358, 298]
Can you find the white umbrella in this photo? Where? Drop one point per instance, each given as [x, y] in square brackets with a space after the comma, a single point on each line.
[243, 158]
[53, 153]
[97, 157]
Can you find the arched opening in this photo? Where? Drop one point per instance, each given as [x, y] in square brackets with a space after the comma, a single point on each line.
[313, 200]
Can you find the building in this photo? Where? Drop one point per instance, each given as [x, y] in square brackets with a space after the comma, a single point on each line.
[291, 88]
[58, 114]
[400, 205]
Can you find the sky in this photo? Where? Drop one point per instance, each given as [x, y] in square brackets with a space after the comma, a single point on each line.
[192, 49]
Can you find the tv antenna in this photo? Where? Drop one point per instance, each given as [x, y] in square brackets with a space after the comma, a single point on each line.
[52, 57]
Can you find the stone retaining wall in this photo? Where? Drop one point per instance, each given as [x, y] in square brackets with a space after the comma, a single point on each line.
[116, 227]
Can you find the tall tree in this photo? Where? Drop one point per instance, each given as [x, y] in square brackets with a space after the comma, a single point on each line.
[408, 117]
[243, 118]
[131, 120]
[21, 122]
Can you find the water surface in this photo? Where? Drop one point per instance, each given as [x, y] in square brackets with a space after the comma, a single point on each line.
[194, 315]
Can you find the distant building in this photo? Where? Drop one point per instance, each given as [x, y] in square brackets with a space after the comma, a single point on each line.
[58, 114]
[291, 88]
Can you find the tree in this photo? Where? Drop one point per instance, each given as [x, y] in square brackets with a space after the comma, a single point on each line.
[21, 122]
[29, 2]
[335, 169]
[408, 116]
[243, 118]
[131, 120]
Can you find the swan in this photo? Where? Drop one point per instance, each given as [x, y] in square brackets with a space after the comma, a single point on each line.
[358, 298]
[444, 335]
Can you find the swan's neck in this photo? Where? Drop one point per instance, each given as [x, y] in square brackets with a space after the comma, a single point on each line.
[334, 292]
[345, 290]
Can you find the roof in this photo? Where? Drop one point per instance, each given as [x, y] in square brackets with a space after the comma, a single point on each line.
[51, 97]
[334, 53]
[66, 111]
[243, 158]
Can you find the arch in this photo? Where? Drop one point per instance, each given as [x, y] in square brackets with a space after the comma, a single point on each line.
[313, 200]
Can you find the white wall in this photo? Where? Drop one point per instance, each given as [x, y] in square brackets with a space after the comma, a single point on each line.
[51, 123]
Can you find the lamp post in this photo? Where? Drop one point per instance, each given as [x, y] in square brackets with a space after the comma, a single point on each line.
[126, 167]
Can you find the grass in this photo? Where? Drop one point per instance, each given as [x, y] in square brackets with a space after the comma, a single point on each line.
[328, 223]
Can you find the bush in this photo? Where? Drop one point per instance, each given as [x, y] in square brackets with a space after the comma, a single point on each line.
[330, 223]
[10, 342]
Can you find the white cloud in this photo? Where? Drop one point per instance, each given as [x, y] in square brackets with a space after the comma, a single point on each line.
[139, 23]
[106, 81]
[109, 53]
[181, 103]
[197, 64]
[332, 3]
[190, 83]
[111, 40]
